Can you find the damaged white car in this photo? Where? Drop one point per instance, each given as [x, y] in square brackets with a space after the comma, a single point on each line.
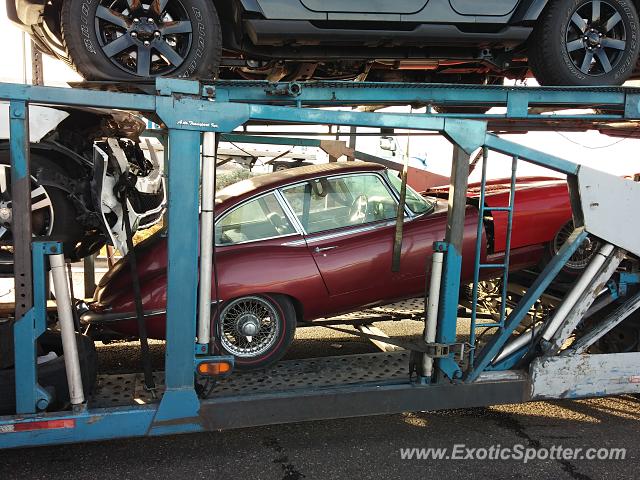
[79, 159]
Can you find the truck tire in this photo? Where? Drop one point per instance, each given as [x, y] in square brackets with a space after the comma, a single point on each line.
[578, 43]
[108, 41]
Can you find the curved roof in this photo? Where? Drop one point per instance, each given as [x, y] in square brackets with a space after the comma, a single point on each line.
[237, 192]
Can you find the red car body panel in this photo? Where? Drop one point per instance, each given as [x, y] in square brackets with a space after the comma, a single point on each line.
[354, 276]
[535, 197]
[542, 208]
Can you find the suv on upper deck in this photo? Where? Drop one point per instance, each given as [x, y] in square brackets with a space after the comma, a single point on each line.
[562, 42]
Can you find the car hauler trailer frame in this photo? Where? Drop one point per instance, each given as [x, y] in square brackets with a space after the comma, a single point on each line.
[503, 371]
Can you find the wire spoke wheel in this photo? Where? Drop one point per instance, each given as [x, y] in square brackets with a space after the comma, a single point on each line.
[596, 38]
[249, 327]
[144, 39]
[585, 252]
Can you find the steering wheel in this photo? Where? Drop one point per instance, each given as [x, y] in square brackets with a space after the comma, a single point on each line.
[359, 209]
[277, 222]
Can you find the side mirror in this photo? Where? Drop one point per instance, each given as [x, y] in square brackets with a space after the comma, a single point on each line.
[389, 144]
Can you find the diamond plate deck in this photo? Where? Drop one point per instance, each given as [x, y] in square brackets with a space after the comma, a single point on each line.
[286, 376]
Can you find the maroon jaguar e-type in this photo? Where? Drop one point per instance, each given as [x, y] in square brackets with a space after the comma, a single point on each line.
[317, 241]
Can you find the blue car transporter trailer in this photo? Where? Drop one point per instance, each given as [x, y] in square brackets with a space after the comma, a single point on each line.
[453, 374]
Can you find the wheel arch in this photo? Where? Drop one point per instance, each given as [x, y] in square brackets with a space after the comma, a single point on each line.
[297, 304]
[530, 10]
[72, 167]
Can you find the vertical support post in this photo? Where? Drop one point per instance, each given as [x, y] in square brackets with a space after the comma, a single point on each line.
[21, 205]
[449, 295]
[37, 70]
[23, 330]
[29, 395]
[353, 137]
[180, 401]
[182, 287]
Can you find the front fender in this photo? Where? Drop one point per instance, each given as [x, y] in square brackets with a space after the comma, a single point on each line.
[529, 11]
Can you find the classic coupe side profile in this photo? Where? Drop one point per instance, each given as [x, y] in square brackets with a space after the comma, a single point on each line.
[563, 42]
[317, 241]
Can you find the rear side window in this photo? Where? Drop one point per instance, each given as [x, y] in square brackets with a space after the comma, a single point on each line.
[257, 219]
[330, 203]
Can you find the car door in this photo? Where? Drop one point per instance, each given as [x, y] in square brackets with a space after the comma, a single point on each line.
[366, 6]
[259, 249]
[348, 223]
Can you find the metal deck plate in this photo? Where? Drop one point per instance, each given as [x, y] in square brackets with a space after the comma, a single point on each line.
[124, 390]
[286, 376]
[412, 309]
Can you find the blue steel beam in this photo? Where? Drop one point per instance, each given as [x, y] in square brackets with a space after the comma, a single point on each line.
[87, 426]
[371, 93]
[77, 97]
[533, 156]
[349, 94]
[31, 397]
[543, 281]
[180, 402]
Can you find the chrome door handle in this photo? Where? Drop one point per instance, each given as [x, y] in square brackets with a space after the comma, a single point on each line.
[323, 249]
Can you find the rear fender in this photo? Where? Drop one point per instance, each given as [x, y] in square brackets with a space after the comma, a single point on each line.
[538, 215]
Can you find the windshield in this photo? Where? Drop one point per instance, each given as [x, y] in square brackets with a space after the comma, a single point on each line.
[416, 202]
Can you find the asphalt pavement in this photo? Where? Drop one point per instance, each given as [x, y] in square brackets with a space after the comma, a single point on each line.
[357, 448]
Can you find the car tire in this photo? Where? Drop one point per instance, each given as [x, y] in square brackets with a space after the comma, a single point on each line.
[52, 375]
[559, 49]
[90, 31]
[578, 261]
[57, 221]
[276, 311]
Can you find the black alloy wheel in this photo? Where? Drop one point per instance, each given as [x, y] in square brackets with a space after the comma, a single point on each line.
[142, 39]
[585, 43]
[596, 38]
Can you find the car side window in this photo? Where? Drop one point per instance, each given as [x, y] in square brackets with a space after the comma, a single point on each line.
[257, 219]
[330, 203]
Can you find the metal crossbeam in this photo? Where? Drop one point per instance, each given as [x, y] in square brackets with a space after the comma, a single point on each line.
[516, 99]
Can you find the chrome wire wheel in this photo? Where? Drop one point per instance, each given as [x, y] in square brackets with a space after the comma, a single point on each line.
[596, 38]
[144, 39]
[585, 252]
[249, 326]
